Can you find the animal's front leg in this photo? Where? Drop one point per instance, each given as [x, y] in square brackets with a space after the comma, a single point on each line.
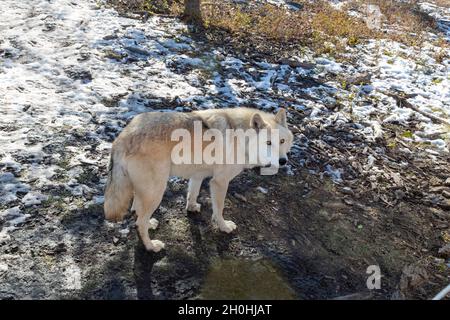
[192, 195]
[219, 189]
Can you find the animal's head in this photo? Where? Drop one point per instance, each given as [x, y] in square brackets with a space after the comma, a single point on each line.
[277, 137]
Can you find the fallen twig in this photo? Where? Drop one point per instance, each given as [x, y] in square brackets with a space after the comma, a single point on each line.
[402, 101]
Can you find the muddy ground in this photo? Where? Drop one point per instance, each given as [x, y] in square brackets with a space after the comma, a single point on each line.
[299, 240]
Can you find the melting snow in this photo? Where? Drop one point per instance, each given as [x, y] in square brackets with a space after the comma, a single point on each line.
[32, 198]
[73, 73]
[13, 217]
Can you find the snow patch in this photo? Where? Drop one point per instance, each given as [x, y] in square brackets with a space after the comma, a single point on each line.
[33, 198]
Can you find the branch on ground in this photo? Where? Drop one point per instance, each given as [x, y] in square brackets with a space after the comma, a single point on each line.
[402, 101]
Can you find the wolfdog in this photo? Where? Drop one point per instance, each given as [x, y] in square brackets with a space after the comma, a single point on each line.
[142, 161]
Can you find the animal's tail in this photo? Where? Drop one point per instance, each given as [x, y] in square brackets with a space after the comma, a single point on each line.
[119, 189]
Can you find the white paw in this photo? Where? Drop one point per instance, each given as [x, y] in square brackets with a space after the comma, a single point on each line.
[227, 226]
[155, 246]
[193, 207]
[153, 223]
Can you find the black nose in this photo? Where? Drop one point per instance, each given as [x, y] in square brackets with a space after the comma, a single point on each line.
[282, 161]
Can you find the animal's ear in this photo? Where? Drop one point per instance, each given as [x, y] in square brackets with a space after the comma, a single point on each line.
[257, 122]
[280, 117]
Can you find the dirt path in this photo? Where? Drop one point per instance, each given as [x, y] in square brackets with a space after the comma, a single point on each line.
[73, 74]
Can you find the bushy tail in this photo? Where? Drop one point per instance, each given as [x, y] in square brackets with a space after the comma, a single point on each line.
[119, 189]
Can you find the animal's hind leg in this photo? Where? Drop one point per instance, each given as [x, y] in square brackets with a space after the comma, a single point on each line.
[192, 195]
[153, 223]
[149, 182]
[144, 212]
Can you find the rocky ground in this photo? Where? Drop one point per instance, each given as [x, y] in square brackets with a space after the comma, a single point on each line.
[368, 181]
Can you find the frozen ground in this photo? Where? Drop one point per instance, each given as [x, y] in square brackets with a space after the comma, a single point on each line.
[73, 73]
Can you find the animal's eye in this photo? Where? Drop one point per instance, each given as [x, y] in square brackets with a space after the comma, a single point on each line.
[269, 143]
[282, 141]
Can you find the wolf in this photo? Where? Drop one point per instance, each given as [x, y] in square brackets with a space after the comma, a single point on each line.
[141, 162]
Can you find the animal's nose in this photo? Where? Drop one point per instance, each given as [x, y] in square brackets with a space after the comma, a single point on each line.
[282, 161]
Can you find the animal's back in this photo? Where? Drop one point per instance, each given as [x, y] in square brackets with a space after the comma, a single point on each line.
[234, 117]
[159, 125]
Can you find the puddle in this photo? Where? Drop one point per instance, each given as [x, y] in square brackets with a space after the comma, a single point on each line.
[245, 279]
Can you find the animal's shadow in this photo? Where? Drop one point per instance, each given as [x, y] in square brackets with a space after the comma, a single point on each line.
[143, 266]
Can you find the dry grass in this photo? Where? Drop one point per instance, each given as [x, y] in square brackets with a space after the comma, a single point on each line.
[322, 26]
[173, 7]
[164, 6]
[400, 21]
[318, 25]
[127, 5]
[269, 21]
[339, 28]
[443, 53]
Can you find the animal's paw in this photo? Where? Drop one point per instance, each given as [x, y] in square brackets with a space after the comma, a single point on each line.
[153, 223]
[155, 246]
[193, 207]
[227, 226]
